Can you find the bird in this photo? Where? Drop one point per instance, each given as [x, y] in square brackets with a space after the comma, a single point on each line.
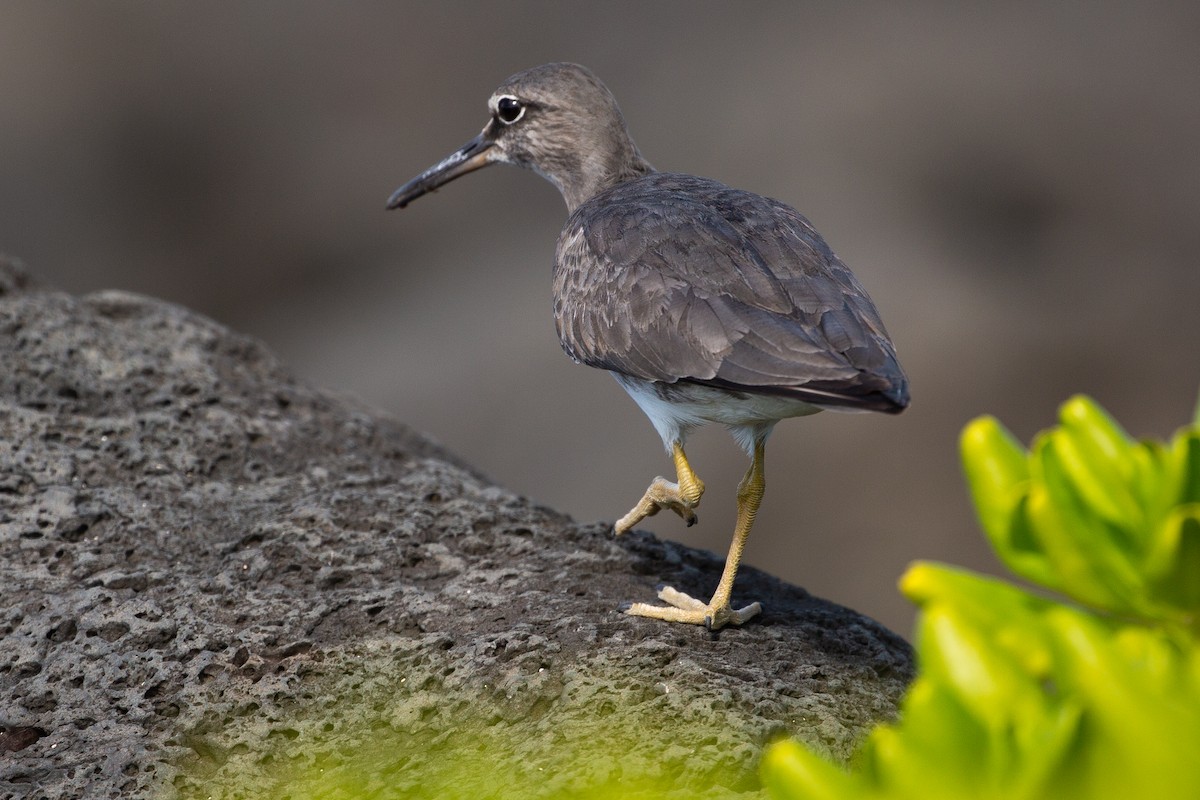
[708, 304]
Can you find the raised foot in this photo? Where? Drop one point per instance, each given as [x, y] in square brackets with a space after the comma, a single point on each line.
[685, 608]
[661, 494]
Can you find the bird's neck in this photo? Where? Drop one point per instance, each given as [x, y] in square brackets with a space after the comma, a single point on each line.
[599, 171]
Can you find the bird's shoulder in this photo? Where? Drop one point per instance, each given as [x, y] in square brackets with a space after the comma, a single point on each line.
[699, 227]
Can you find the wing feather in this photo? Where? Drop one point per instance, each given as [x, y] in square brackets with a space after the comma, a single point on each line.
[672, 277]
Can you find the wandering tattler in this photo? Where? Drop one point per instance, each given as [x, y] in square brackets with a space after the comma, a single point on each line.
[706, 303]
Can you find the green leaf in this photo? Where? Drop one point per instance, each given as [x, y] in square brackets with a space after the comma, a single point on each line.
[792, 772]
[937, 735]
[1091, 557]
[1142, 713]
[1006, 611]
[997, 471]
[1095, 454]
[1187, 448]
[1084, 417]
[1045, 743]
[1156, 483]
[991, 600]
[1174, 563]
[996, 468]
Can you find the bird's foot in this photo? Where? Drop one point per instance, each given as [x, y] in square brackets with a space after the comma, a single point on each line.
[661, 494]
[685, 608]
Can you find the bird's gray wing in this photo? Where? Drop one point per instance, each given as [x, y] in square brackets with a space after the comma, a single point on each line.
[673, 277]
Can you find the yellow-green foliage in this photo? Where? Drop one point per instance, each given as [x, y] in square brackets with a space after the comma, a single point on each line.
[395, 723]
[1021, 696]
[1110, 522]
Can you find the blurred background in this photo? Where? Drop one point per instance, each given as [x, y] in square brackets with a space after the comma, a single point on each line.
[1017, 185]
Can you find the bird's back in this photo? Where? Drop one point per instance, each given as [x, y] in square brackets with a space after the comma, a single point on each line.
[672, 277]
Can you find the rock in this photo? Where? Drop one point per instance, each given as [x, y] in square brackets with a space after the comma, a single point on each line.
[220, 582]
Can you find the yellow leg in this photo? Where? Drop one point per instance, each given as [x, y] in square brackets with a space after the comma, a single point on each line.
[717, 612]
[680, 497]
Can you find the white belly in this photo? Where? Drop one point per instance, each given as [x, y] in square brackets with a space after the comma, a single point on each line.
[677, 408]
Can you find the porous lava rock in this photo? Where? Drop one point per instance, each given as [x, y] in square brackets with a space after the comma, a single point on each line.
[210, 570]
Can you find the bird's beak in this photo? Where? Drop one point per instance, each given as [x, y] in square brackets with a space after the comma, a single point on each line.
[471, 156]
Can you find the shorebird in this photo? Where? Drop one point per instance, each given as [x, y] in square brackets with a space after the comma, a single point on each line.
[707, 304]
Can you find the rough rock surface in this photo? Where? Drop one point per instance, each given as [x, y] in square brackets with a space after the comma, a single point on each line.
[210, 570]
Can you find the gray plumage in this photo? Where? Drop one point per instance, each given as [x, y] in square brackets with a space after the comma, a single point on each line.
[672, 277]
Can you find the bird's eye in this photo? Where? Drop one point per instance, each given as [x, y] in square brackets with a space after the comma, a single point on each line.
[509, 110]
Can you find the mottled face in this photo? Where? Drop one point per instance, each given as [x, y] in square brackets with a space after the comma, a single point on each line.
[557, 119]
[552, 118]
[513, 129]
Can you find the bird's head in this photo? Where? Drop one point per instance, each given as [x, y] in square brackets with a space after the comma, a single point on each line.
[558, 120]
